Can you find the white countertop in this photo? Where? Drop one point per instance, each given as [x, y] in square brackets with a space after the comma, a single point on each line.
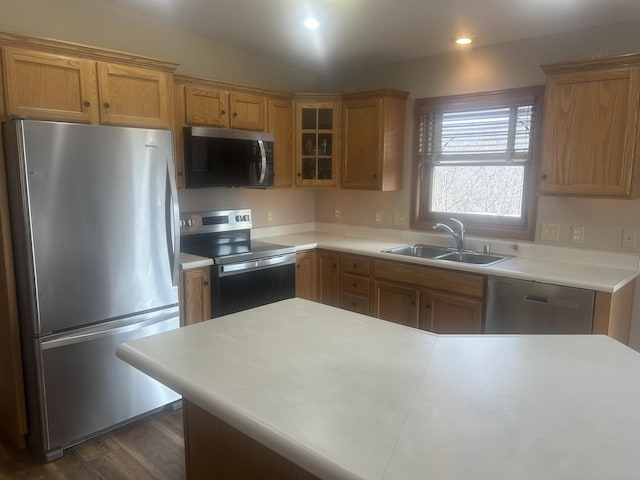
[594, 270]
[602, 271]
[353, 397]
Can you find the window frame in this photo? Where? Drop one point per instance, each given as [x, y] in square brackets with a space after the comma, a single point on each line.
[422, 172]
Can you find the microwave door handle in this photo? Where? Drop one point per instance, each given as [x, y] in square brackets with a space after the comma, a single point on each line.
[263, 155]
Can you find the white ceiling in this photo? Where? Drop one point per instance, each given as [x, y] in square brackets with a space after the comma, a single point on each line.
[366, 32]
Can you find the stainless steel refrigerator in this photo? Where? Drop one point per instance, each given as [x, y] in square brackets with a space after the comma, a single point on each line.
[94, 217]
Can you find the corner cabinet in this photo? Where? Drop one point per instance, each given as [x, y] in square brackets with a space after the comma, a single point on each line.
[62, 87]
[317, 142]
[591, 136]
[373, 139]
[306, 275]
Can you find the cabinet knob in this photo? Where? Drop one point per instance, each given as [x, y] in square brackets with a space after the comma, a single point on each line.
[299, 174]
[298, 265]
[222, 112]
[86, 104]
[544, 176]
[235, 114]
[354, 284]
[355, 265]
[106, 105]
[206, 283]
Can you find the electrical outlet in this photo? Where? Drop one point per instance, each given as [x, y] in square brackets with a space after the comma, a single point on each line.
[399, 218]
[269, 216]
[628, 238]
[550, 231]
[337, 214]
[378, 217]
[577, 234]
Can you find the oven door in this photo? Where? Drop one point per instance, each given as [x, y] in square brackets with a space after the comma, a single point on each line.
[240, 286]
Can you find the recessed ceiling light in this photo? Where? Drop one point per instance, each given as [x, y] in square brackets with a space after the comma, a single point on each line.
[311, 23]
[464, 40]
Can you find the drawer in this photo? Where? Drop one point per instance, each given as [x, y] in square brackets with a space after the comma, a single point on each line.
[355, 303]
[355, 284]
[355, 264]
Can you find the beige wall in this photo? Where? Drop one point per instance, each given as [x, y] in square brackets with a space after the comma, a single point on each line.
[498, 67]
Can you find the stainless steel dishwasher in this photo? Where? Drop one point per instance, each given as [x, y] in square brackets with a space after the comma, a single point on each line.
[521, 306]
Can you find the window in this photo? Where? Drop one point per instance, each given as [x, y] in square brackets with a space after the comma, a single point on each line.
[476, 160]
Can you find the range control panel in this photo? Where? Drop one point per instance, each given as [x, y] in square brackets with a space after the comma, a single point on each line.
[215, 221]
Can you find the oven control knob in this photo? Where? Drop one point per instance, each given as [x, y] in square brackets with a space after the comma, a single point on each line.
[182, 223]
[190, 222]
[245, 218]
[238, 218]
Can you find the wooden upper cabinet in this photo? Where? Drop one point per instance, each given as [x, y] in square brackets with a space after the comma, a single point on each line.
[220, 108]
[373, 140]
[247, 111]
[65, 87]
[206, 106]
[48, 86]
[280, 123]
[132, 96]
[317, 141]
[590, 127]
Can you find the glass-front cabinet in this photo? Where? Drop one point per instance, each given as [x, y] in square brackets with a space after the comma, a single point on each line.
[317, 147]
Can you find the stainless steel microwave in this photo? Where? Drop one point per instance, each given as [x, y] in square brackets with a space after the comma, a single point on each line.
[215, 157]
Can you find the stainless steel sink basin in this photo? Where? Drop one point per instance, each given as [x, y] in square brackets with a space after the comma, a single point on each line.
[472, 257]
[419, 250]
[443, 253]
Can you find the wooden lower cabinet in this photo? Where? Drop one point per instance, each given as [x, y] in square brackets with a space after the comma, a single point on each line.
[433, 299]
[329, 277]
[397, 303]
[195, 295]
[355, 283]
[214, 450]
[450, 313]
[306, 275]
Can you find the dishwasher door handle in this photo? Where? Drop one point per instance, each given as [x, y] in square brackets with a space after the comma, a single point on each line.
[535, 299]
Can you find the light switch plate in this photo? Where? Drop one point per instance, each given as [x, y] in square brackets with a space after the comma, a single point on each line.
[378, 217]
[337, 214]
[577, 234]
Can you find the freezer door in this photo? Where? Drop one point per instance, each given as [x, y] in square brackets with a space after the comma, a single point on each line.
[88, 389]
[100, 215]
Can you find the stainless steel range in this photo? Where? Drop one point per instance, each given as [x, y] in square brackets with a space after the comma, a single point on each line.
[245, 273]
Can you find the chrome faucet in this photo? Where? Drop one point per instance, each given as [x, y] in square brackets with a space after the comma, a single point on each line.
[458, 237]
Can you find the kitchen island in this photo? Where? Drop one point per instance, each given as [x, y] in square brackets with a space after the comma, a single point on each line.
[328, 393]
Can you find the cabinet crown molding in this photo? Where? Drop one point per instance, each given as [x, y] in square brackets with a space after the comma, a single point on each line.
[629, 60]
[59, 47]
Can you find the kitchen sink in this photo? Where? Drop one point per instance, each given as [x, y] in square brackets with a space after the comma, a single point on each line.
[473, 257]
[419, 250]
[443, 253]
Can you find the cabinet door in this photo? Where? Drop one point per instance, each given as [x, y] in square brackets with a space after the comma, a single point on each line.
[280, 123]
[247, 111]
[590, 132]
[361, 142]
[317, 145]
[206, 106]
[50, 87]
[397, 303]
[132, 96]
[306, 275]
[329, 278]
[451, 313]
[196, 295]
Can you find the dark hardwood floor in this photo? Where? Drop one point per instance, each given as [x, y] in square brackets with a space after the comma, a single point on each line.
[151, 448]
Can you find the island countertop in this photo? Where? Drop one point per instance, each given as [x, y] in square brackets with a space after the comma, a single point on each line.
[352, 397]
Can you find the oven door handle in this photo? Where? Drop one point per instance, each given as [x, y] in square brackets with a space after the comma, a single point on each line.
[242, 267]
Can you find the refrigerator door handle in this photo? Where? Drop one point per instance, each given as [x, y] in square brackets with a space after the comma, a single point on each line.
[172, 219]
[108, 330]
